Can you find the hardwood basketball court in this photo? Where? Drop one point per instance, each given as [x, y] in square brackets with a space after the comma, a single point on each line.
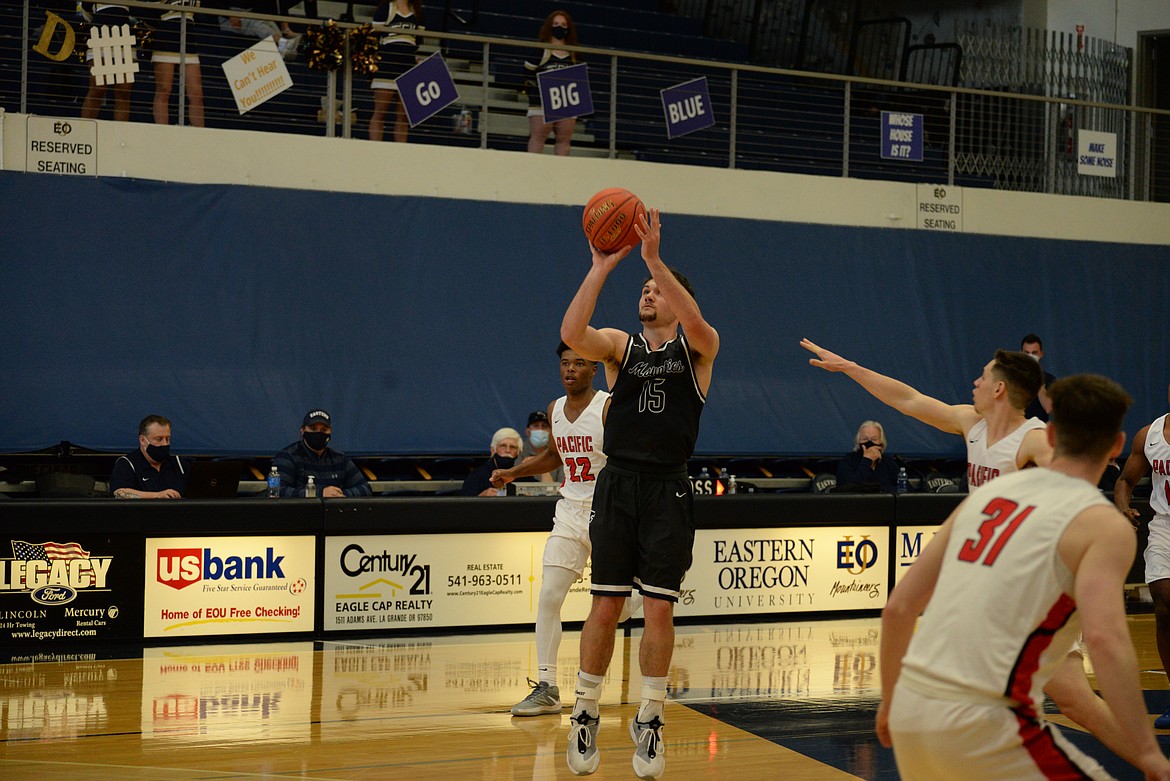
[792, 700]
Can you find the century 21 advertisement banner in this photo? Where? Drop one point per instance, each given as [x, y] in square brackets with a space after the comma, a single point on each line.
[228, 585]
[407, 581]
[418, 580]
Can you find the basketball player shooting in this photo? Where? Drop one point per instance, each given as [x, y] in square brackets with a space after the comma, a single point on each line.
[642, 524]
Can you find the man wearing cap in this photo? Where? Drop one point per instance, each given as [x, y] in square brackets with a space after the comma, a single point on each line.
[334, 474]
[536, 436]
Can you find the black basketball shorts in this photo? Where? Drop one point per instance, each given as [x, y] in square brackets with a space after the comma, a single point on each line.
[642, 530]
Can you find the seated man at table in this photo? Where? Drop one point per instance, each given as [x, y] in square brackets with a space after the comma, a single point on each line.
[333, 472]
[150, 472]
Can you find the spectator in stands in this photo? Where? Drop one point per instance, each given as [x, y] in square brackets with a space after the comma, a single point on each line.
[112, 16]
[536, 438]
[167, 45]
[287, 42]
[399, 50]
[866, 465]
[1041, 405]
[150, 472]
[334, 474]
[559, 28]
[505, 449]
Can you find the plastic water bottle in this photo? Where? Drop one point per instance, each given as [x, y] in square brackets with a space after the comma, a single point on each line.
[731, 486]
[273, 484]
[310, 489]
[903, 481]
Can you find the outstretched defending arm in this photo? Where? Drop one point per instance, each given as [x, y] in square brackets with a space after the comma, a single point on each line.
[949, 418]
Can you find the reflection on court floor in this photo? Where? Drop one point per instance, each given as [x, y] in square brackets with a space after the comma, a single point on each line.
[787, 699]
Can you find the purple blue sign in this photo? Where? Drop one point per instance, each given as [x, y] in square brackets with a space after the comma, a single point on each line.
[564, 93]
[426, 89]
[687, 107]
[901, 136]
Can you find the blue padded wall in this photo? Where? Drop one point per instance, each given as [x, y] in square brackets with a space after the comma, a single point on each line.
[424, 324]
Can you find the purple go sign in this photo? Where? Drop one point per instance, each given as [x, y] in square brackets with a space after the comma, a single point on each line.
[687, 107]
[426, 89]
[564, 93]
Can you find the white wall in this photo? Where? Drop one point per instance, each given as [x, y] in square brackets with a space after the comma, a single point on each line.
[1118, 21]
[276, 160]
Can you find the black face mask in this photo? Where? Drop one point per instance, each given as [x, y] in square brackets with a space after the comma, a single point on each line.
[560, 33]
[316, 440]
[503, 462]
[868, 444]
[158, 453]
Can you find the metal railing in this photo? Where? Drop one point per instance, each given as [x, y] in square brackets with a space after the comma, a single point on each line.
[766, 118]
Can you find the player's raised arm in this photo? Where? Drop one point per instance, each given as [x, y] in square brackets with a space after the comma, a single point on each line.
[1136, 467]
[703, 339]
[949, 418]
[590, 343]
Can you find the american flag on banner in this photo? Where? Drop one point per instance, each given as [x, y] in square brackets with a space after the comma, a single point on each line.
[47, 551]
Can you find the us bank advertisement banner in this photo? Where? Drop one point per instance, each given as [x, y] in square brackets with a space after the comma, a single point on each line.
[230, 693]
[737, 571]
[228, 585]
[413, 580]
[73, 588]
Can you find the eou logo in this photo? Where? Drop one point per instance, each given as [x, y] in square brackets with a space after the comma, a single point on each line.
[856, 557]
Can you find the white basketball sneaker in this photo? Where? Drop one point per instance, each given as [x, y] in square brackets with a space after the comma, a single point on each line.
[582, 753]
[650, 754]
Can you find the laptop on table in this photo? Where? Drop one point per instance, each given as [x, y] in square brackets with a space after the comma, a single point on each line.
[213, 479]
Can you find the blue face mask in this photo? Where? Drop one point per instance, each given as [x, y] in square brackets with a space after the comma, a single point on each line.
[538, 438]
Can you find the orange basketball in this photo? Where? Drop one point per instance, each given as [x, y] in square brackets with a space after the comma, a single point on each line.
[609, 219]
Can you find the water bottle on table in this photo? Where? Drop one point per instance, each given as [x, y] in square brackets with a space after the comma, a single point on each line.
[273, 484]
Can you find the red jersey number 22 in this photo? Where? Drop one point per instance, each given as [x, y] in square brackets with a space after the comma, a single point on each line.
[993, 532]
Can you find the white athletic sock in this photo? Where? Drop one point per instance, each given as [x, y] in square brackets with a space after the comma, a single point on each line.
[554, 587]
[588, 693]
[653, 697]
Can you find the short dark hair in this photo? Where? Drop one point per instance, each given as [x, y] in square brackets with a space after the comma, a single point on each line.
[1087, 411]
[1022, 375]
[148, 420]
[682, 280]
[1031, 339]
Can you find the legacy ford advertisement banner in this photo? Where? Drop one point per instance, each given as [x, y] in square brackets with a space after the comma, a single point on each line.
[68, 588]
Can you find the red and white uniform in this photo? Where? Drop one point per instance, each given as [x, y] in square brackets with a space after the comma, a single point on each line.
[999, 623]
[579, 444]
[1157, 553]
[1157, 451]
[985, 463]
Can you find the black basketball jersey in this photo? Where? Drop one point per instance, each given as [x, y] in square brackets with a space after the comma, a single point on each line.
[653, 419]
